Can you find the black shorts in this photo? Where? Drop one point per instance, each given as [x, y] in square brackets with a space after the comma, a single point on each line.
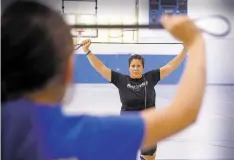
[149, 152]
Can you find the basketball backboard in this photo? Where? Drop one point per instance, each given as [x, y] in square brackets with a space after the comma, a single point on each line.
[102, 35]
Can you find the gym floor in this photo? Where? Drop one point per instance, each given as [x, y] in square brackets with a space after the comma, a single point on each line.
[210, 138]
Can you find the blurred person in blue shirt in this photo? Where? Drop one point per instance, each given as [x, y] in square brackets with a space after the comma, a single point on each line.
[37, 68]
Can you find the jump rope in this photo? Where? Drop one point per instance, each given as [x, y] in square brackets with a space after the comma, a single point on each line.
[159, 26]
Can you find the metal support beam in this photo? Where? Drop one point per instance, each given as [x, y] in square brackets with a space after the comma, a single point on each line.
[78, 46]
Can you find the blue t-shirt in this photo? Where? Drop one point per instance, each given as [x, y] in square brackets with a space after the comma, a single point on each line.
[32, 131]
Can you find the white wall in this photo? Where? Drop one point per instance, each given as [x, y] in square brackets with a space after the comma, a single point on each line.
[220, 52]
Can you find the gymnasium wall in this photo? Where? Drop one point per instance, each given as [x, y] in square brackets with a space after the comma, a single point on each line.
[220, 52]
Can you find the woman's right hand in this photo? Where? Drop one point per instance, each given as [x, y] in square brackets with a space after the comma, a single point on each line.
[85, 45]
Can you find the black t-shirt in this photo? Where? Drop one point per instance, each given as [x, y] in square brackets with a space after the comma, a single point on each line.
[132, 91]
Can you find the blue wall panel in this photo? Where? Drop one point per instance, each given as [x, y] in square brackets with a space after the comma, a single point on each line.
[85, 73]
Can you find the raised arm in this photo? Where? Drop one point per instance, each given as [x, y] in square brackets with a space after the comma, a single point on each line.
[95, 62]
[173, 64]
[184, 108]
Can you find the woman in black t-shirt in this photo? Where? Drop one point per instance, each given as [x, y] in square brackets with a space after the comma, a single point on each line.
[137, 89]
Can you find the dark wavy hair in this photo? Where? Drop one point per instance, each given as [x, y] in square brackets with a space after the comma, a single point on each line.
[136, 56]
[36, 44]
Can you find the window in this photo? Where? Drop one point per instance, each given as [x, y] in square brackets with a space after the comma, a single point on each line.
[169, 2]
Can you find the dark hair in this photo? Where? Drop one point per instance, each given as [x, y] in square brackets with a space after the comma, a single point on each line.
[36, 44]
[136, 56]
